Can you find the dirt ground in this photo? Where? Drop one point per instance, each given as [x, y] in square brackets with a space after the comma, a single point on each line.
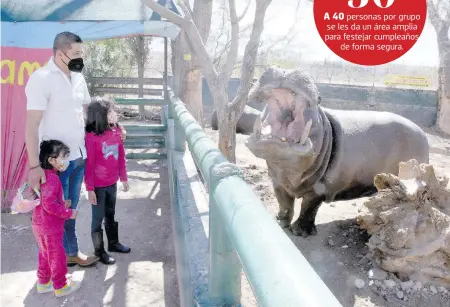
[338, 251]
[144, 277]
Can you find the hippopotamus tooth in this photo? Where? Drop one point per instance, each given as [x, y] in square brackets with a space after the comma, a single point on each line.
[306, 132]
[257, 128]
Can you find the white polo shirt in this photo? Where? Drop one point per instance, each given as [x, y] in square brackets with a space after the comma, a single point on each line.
[49, 89]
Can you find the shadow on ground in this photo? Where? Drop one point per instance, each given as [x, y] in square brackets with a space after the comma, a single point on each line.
[144, 277]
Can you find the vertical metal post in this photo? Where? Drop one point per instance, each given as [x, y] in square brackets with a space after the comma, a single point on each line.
[180, 138]
[165, 68]
[165, 93]
[224, 265]
[179, 134]
[164, 110]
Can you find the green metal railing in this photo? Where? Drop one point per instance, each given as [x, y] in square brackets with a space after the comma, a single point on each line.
[242, 234]
[145, 136]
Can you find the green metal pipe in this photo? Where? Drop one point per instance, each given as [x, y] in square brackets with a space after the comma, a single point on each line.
[141, 101]
[146, 155]
[277, 272]
[179, 132]
[147, 128]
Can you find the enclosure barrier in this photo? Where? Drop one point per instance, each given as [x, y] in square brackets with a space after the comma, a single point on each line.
[145, 136]
[242, 232]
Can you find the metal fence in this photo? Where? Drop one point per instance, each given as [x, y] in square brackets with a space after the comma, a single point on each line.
[242, 234]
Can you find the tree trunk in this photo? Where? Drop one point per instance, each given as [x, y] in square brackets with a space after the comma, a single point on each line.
[192, 94]
[187, 75]
[443, 118]
[141, 68]
[227, 125]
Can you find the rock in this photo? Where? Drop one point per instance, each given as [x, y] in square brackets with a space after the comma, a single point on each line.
[260, 187]
[340, 263]
[417, 286]
[344, 246]
[407, 285]
[442, 289]
[377, 283]
[433, 289]
[359, 283]
[363, 261]
[332, 205]
[389, 283]
[371, 283]
[331, 242]
[377, 274]
[400, 294]
[408, 291]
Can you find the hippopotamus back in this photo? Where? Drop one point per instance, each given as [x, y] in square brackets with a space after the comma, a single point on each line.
[366, 143]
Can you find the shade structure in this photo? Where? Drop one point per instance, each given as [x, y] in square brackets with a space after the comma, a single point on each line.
[28, 29]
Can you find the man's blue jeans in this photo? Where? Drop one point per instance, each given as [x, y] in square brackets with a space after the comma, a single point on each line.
[71, 180]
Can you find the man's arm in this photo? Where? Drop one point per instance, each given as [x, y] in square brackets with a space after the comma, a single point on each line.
[33, 121]
[86, 100]
[37, 100]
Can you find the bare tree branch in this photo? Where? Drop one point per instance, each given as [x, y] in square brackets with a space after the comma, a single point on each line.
[250, 56]
[434, 15]
[185, 7]
[228, 67]
[244, 12]
[202, 8]
[192, 32]
[188, 6]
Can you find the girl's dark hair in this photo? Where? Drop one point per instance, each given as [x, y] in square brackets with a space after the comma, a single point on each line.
[97, 115]
[51, 149]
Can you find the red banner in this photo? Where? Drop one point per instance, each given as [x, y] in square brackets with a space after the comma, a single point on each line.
[17, 65]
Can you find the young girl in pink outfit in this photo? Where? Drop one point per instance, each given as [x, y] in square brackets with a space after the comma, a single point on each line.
[48, 222]
[105, 165]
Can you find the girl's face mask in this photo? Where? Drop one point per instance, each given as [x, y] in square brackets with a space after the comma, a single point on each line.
[61, 164]
[112, 117]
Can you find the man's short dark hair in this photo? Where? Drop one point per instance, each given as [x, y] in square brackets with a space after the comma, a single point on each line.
[64, 40]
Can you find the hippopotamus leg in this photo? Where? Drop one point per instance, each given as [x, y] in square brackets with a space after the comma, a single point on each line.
[286, 206]
[305, 224]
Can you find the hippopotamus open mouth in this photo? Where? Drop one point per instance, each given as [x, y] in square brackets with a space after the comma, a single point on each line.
[284, 130]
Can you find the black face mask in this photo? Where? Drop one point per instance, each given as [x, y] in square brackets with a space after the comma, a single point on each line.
[75, 65]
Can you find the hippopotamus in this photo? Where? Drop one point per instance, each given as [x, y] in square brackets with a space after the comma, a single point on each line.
[321, 154]
[245, 123]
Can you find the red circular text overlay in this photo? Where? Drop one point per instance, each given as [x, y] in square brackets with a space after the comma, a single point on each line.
[370, 32]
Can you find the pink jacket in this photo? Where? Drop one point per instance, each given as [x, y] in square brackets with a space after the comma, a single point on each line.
[50, 215]
[105, 163]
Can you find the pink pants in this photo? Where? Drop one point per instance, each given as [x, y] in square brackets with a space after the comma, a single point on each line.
[52, 263]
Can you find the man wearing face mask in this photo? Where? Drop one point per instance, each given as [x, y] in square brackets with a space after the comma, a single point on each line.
[57, 100]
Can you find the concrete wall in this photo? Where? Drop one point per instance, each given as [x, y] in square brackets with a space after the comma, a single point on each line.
[420, 106]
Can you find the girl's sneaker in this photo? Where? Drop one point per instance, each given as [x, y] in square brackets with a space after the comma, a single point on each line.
[68, 289]
[45, 288]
